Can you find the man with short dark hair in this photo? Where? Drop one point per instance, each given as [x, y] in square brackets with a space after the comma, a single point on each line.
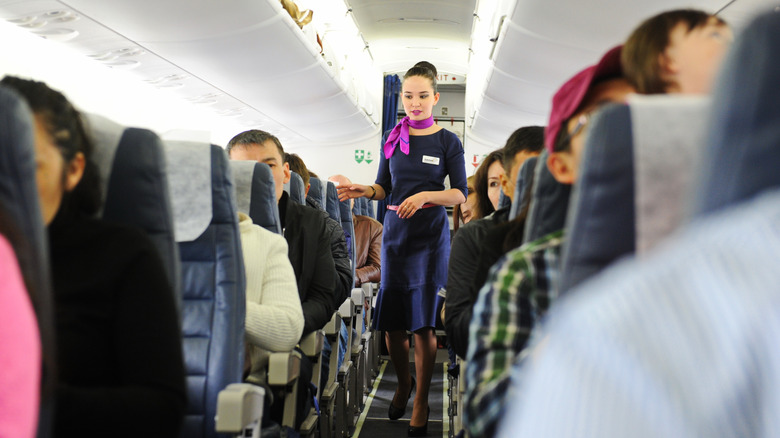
[305, 229]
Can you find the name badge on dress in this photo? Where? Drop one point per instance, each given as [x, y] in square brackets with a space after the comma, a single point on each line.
[430, 160]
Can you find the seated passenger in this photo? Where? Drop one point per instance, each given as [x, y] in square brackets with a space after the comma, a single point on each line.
[298, 166]
[463, 213]
[20, 348]
[462, 285]
[340, 240]
[487, 184]
[521, 285]
[306, 230]
[368, 243]
[119, 354]
[681, 342]
[676, 51]
[274, 319]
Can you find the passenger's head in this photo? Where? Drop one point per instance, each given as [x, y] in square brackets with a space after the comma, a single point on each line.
[572, 107]
[523, 144]
[63, 151]
[487, 184]
[466, 210]
[676, 52]
[260, 146]
[419, 91]
[298, 166]
[342, 181]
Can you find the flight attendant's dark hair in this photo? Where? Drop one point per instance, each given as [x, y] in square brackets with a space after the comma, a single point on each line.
[64, 123]
[426, 70]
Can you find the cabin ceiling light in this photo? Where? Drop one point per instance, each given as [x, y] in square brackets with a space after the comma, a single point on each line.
[21, 21]
[57, 34]
[418, 20]
[125, 64]
[61, 16]
[111, 55]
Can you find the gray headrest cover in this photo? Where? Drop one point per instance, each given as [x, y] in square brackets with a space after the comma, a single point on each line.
[189, 180]
[242, 178]
[106, 134]
[668, 140]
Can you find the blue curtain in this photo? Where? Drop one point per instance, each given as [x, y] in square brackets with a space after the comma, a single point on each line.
[389, 116]
[390, 102]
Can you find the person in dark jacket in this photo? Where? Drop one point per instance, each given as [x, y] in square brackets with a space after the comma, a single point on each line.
[339, 239]
[463, 283]
[118, 343]
[306, 230]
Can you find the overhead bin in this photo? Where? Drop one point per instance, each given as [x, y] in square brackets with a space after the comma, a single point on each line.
[538, 45]
[247, 58]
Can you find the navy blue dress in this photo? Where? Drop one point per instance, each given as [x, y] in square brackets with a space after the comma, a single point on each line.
[416, 250]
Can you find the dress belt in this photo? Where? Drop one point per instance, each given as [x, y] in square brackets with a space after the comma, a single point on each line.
[395, 207]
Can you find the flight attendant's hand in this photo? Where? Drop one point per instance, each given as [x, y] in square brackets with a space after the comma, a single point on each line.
[353, 191]
[410, 205]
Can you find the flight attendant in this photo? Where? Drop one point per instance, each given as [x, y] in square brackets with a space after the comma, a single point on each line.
[416, 157]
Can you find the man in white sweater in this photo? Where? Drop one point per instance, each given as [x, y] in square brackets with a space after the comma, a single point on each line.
[274, 318]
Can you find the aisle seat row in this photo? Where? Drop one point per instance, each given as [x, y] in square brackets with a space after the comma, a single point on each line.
[187, 196]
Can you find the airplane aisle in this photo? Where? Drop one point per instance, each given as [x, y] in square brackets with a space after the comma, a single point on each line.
[373, 421]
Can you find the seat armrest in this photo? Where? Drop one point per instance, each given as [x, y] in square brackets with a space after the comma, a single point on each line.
[358, 297]
[333, 326]
[239, 406]
[311, 344]
[346, 309]
[284, 367]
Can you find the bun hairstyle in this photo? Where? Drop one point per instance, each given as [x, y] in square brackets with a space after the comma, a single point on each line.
[426, 70]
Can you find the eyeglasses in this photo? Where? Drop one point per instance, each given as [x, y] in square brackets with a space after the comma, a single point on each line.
[582, 120]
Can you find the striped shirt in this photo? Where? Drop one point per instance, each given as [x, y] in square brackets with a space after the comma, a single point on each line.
[680, 343]
[518, 290]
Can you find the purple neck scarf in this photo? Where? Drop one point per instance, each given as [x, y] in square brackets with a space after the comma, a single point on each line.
[400, 134]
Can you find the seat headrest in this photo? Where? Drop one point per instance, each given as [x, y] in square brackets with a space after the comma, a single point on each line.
[524, 177]
[668, 140]
[316, 192]
[189, 180]
[600, 225]
[255, 193]
[297, 191]
[18, 191]
[549, 203]
[106, 134]
[332, 204]
[741, 147]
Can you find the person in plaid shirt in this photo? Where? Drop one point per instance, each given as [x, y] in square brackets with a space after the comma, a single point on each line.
[521, 285]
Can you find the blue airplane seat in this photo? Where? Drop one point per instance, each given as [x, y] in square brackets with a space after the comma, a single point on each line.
[297, 191]
[372, 206]
[349, 229]
[316, 191]
[332, 202]
[630, 196]
[131, 162]
[213, 286]
[524, 178]
[503, 200]
[742, 143]
[19, 201]
[256, 193]
[549, 202]
[601, 227]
